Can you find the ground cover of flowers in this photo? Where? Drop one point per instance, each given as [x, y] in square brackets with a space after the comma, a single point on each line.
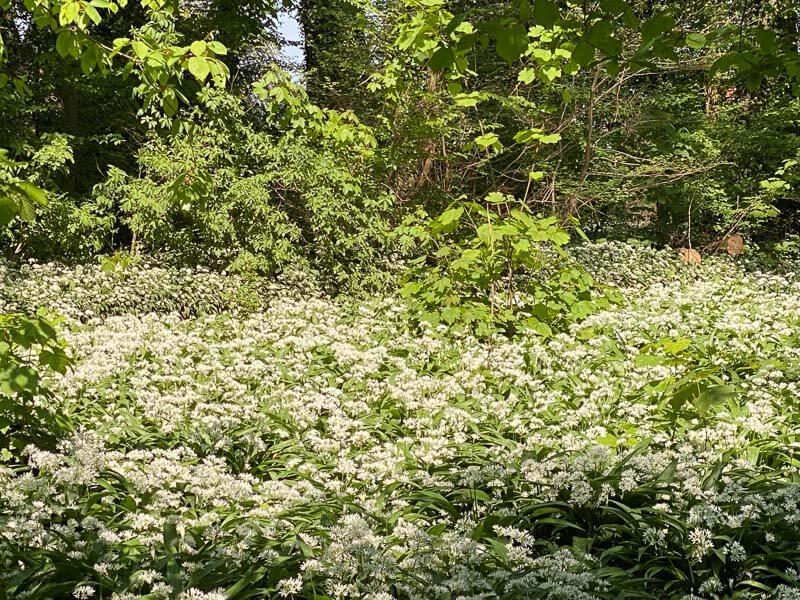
[224, 440]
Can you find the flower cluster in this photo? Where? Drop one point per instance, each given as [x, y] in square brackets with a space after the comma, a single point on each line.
[313, 448]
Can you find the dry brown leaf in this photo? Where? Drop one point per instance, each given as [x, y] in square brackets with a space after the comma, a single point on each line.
[733, 244]
[690, 256]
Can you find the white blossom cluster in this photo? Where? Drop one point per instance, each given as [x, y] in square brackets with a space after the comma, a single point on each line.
[320, 448]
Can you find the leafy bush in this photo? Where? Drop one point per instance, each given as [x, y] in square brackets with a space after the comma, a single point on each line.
[228, 195]
[501, 278]
[28, 345]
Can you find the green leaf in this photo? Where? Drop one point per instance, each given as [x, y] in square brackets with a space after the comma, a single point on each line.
[170, 104]
[92, 13]
[727, 61]
[527, 75]
[528, 136]
[217, 48]
[550, 138]
[8, 210]
[500, 550]
[583, 53]
[64, 42]
[410, 289]
[600, 35]
[68, 13]
[487, 140]
[615, 7]
[88, 60]
[551, 73]
[199, 68]
[648, 360]
[468, 100]
[560, 237]
[612, 68]
[511, 43]
[695, 40]
[140, 49]
[675, 346]
[711, 481]
[34, 193]
[496, 198]
[753, 81]
[450, 216]
[545, 13]
[538, 327]
[171, 537]
[198, 48]
[656, 26]
[442, 59]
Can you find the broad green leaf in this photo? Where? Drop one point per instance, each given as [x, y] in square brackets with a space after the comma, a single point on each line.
[140, 49]
[545, 13]
[92, 13]
[199, 68]
[648, 360]
[88, 60]
[34, 194]
[614, 7]
[487, 140]
[68, 13]
[527, 75]
[198, 48]
[560, 238]
[468, 100]
[583, 53]
[676, 346]
[551, 138]
[217, 48]
[732, 60]
[451, 215]
[511, 43]
[551, 73]
[528, 136]
[657, 25]
[753, 81]
[538, 327]
[465, 27]
[612, 67]
[695, 40]
[442, 59]
[64, 42]
[600, 35]
[8, 210]
[170, 104]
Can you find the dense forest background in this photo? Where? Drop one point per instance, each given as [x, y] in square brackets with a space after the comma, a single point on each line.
[172, 127]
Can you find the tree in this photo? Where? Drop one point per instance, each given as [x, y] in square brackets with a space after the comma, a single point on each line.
[337, 50]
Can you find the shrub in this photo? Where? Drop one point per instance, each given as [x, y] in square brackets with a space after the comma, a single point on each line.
[501, 276]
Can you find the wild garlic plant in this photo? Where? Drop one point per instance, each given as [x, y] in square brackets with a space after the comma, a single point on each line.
[312, 448]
